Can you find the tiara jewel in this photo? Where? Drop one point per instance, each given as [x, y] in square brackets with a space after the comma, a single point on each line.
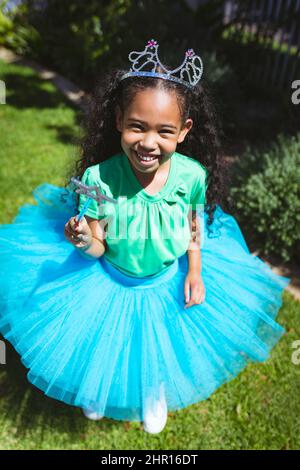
[190, 71]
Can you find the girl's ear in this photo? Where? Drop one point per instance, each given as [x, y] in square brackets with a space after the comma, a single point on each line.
[184, 130]
[119, 118]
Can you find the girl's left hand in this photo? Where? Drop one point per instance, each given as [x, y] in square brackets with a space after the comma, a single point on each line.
[193, 283]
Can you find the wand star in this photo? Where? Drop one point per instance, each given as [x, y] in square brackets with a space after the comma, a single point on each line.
[87, 191]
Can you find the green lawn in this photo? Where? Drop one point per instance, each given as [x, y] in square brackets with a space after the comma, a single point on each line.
[38, 128]
[259, 409]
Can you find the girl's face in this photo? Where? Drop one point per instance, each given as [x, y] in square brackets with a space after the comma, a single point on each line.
[151, 127]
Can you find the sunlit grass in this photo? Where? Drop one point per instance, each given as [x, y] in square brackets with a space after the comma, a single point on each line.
[37, 132]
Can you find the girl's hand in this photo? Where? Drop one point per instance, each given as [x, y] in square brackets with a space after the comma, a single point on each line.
[79, 234]
[193, 282]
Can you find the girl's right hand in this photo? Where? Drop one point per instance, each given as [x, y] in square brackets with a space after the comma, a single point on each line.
[79, 234]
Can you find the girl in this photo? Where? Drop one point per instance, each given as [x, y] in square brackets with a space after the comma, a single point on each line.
[150, 304]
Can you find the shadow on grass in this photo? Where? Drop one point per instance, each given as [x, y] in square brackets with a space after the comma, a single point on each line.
[29, 91]
[26, 91]
[66, 134]
[29, 409]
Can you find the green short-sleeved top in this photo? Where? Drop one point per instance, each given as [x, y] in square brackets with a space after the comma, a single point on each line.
[145, 233]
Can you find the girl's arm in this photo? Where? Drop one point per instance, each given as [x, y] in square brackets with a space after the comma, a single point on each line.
[194, 290]
[194, 258]
[193, 251]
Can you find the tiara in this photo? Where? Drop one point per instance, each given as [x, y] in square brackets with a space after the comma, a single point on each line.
[190, 71]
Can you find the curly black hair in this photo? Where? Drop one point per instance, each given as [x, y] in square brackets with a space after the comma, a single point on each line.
[101, 139]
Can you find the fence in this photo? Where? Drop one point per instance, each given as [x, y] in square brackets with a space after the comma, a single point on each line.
[270, 31]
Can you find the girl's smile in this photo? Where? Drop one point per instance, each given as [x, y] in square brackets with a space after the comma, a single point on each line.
[145, 159]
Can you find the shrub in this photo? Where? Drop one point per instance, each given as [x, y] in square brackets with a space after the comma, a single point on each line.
[266, 193]
[15, 32]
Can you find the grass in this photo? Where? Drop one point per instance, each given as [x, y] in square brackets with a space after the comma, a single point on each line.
[259, 409]
[38, 130]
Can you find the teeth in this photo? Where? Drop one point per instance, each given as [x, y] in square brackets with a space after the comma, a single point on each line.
[146, 159]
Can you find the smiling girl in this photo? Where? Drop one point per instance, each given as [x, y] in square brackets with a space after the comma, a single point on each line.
[148, 305]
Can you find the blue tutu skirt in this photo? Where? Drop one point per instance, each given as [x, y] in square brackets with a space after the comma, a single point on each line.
[96, 338]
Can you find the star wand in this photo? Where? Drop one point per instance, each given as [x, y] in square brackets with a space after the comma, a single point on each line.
[87, 191]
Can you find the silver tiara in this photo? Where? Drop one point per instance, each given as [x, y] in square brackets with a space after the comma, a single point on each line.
[190, 70]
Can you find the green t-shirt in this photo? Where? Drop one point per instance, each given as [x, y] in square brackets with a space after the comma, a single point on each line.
[145, 233]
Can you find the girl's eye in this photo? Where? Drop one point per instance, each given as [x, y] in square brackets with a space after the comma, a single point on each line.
[137, 126]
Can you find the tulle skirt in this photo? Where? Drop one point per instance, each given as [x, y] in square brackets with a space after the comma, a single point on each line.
[96, 338]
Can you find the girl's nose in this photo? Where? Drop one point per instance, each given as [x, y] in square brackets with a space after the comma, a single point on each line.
[148, 143]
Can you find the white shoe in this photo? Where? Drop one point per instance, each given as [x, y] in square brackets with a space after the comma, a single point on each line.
[90, 414]
[155, 419]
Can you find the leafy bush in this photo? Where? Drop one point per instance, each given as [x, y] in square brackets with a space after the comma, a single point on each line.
[15, 32]
[266, 193]
[6, 25]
